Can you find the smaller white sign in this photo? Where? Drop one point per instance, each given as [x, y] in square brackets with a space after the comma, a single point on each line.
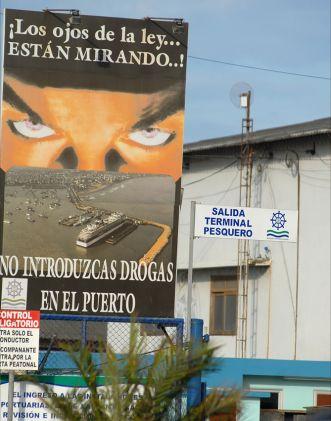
[28, 403]
[245, 223]
[14, 292]
[19, 340]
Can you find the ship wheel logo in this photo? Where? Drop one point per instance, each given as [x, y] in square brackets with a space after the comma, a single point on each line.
[14, 289]
[15, 295]
[278, 222]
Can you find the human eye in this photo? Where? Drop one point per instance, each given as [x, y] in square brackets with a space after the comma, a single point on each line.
[151, 136]
[31, 130]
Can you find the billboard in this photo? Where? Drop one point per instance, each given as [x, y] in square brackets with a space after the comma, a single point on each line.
[240, 223]
[91, 159]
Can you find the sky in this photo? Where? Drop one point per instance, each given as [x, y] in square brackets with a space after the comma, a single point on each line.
[292, 36]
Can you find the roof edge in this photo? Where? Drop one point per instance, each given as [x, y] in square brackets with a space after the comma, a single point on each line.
[294, 131]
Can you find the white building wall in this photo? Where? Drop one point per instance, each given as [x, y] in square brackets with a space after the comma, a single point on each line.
[314, 272]
[273, 291]
[259, 337]
[279, 190]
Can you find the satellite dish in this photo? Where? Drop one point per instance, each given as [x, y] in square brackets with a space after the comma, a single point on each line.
[239, 89]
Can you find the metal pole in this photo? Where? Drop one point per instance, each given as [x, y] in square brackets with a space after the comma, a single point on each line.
[179, 348]
[190, 273]
[243, 245]
[11, 379]
[298, 266]
[194, 385]
[248, 111]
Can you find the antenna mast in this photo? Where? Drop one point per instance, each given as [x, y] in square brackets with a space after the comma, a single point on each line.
[246, 161]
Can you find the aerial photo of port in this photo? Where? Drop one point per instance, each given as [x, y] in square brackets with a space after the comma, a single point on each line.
[88, 214]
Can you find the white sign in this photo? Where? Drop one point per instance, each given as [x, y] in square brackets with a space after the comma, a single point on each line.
[27, 401]
[14, 292]
[19, 340]
[28, 397]
[245, 223]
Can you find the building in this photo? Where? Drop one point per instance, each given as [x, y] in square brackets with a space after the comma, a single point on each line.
[286, 365]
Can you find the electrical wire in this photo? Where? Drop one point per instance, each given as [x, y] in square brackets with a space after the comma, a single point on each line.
[244, 66]
[210, 156]
[264, 69]
[316, 178]
[324, 161]
[302, 172]
[285, 265]
[228, 63]
[214, 194]
[210, 175]
[317, 186]
[314, 170]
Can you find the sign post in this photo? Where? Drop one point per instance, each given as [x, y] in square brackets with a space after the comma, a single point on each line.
[11, 382]
[190, 273]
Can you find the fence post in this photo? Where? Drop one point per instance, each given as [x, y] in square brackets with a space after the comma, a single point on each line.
[194, 385]
[180, 333]
[84, 333]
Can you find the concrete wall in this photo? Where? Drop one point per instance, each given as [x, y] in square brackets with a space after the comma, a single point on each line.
[275, 291]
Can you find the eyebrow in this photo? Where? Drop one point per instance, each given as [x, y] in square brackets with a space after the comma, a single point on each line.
[10, 96]
[169, 104]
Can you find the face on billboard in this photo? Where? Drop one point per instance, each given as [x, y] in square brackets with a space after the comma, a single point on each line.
[91, 129]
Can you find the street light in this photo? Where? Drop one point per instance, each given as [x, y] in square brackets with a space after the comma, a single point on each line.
[178, 27]
[74, 19]
[178, 23]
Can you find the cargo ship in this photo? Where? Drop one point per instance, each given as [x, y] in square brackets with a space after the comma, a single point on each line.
[99, 229]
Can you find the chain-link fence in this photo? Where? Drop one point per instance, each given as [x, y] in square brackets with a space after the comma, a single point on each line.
[58, 332]
[93, 331]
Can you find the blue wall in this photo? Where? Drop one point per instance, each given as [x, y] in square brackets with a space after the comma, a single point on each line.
[231, 371]
[296, 382]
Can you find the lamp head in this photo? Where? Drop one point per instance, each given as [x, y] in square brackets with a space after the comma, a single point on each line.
[75, 18]
[178, 27]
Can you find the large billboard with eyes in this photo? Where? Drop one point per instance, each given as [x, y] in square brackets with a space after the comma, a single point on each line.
[91, 157]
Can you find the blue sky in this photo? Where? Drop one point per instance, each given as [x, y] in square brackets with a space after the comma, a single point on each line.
[289, 35]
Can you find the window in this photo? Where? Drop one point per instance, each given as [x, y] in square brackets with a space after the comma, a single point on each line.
[323, 399]
[223, 316]
[271, 402]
